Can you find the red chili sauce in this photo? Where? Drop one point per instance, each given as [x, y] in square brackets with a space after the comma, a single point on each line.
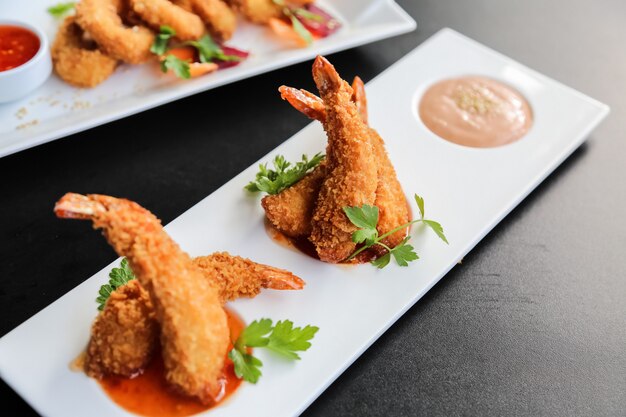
[150, 395]
[17, 46]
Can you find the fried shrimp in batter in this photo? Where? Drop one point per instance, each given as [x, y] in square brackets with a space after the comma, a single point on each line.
[125, 334]
[390, 198]
[217, 16]
[257, 11]
[351, 176]
[76, 59]
[101, 19]
[194, 331]
[157, 13]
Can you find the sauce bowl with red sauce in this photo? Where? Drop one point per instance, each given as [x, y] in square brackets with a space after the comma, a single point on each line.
[25, 61]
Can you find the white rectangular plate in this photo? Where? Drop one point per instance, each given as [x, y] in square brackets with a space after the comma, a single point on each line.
[468, 190]
[57, 109]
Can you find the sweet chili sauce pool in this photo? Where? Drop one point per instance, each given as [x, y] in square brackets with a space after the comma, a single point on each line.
[17, 46]
[148, 394]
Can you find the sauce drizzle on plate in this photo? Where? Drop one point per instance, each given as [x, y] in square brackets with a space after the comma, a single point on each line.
[150, 395]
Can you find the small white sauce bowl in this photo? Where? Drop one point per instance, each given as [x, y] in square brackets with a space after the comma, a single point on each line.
[19, 81]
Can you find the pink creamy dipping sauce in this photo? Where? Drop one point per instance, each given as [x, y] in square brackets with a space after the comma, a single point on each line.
[475, 111]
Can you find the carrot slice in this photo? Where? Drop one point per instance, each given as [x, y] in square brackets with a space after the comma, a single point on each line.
[286, 31]
[186, 53]
[197, 69]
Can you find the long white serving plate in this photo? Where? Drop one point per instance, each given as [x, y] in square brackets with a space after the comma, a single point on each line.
[57, 109]
[469, 190]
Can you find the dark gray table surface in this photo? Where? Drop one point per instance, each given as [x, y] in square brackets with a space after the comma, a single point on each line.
[533, 321]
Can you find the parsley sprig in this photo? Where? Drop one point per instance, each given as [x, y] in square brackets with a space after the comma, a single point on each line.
[284, 175]
[117, 278]
[59, 10]
[366, 219]
[210, 51]
[283, 339]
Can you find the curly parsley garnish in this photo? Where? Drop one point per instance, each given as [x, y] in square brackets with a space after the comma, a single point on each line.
[209, 51]
[366, 219]
[282, 338]
[159, 46]
[59, 10]
[284, 175]
[117, 278]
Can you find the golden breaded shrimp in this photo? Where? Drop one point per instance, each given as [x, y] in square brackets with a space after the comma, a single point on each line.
[217, 16]
[78, 61]
[102, 20]
[351, 177]
[390, 198]
[257, 11]
[157, 13]
[194, 330]
[291, 210]
[125, 334]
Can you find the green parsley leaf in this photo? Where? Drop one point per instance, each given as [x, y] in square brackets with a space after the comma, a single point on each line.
[308, 14]
[420, 205]
[117, 277]
[287, 340]
[283, 339]
[59, 10]
[273, 181]
[404, 253]
[366, 219]
[209, 51]
[437, 228]
[159, 46]
[246, 365]
[255, 334]
[365, 216]
[180, 67]
[382, 261]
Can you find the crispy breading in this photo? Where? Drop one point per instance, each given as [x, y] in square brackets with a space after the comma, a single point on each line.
[124, 335]
[157, 13]
[219, 18]
[102, 20]
[257, 11]
[351, 178]
[78, 61]
[291, 210]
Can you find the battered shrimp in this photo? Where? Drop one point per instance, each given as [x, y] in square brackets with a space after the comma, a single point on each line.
[351, 178]
[125, 334]
[257, 11]
[157, 13]
[77, 60]
[194, 330]
[291, 210]
[390, 198]
[217, 16]
[102, 20]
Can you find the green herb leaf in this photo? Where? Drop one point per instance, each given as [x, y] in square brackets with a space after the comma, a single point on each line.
[283, 339]
[307, 14]
[159, 46]
[209, 51]
[404, 253]
[117, 277]
[287, 340]
[365, 216]
[273, 181]
[246, 365]
[437, 228]
[255, 334]
[180, 67]
[382, 261]
[59, 10]
[420, 205]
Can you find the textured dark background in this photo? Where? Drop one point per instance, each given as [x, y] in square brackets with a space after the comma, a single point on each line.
[533, 321]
